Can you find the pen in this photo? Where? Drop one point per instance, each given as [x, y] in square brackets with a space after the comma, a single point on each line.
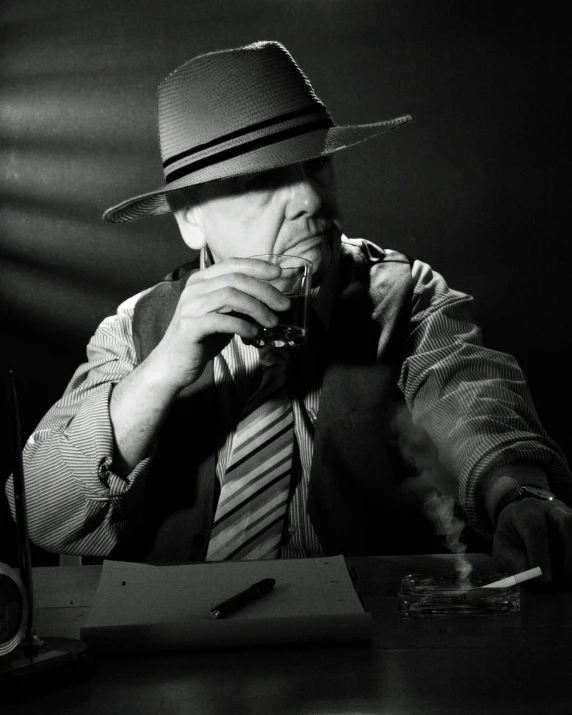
[232, 604]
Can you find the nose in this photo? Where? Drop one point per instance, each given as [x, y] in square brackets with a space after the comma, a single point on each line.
[303, 194]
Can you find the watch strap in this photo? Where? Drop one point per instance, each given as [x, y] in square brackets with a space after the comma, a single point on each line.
[514, 494]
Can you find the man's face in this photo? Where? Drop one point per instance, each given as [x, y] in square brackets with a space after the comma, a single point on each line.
[285, 210]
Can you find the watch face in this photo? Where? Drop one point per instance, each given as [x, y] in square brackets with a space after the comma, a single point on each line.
[539, 492]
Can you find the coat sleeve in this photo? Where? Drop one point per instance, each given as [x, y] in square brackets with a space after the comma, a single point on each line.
[75, 503]
[473, 401]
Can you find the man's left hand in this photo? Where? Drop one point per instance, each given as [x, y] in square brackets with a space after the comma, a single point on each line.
[530, 533]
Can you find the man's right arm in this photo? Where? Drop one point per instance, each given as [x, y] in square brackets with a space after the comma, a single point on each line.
[74, 492]
[138, 407]
[205, 319]
[86, 459]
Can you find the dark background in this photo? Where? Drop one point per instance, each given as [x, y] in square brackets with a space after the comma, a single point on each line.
[477, 185]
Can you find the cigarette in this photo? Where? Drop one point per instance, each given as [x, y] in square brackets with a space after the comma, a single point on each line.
[516, 578]
[503, 583]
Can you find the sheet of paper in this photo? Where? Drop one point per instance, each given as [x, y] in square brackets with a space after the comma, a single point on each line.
[140, 605]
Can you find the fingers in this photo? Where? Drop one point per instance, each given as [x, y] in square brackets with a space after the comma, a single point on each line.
[559, 518]
[229, 324]
[538, 549]
[255, 267]
[535, 533]
[508, 556]
[233, 297]
[260, 289]
[237, 286]
[234, 302]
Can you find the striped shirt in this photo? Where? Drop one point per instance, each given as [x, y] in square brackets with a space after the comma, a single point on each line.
[232, 367]
[481, 415]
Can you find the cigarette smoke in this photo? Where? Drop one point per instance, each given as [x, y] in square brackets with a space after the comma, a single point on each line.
[434, 487]
[440, 509]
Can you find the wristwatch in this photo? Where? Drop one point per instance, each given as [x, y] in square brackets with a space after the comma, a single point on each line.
[521, 492]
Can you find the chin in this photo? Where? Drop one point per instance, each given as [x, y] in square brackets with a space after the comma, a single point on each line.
[317, 250]
[320, 258]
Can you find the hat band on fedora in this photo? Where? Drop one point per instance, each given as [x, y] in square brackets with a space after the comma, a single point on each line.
[242, 132]
[246, 145]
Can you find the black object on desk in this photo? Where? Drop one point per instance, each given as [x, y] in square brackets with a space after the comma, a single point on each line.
[34, 659]
[257, 590]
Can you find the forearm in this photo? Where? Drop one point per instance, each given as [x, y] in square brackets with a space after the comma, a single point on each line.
[138, 407]
[75, 501]
[75, 504]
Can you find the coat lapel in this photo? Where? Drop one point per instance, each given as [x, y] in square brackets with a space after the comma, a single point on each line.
[354, 461]
[183, 491]
[181, 486]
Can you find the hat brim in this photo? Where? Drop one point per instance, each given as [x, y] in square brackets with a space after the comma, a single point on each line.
[311, 145]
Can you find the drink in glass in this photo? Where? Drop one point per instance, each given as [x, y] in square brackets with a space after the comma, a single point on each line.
[295, 281]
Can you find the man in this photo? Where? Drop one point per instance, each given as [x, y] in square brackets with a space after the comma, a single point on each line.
[162, 447]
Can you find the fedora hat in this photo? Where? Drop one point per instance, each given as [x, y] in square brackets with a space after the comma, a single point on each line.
[239, 111]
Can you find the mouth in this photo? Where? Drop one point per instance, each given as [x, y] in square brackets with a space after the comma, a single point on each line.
[318, 238]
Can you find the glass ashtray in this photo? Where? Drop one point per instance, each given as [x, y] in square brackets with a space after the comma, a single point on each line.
[423, 595]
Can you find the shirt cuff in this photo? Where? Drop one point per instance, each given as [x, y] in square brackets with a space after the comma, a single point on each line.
[88, 449]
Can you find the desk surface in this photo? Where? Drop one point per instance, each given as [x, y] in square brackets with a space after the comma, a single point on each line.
[495, 664]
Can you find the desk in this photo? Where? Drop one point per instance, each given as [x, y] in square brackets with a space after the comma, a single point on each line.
[495, 664]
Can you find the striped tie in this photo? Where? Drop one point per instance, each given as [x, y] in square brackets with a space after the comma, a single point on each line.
[253, 500]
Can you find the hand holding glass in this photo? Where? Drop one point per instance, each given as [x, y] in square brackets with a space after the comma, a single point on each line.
[295, 281]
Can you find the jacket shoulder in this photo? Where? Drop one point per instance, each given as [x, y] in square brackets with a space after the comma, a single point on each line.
[362, 250]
